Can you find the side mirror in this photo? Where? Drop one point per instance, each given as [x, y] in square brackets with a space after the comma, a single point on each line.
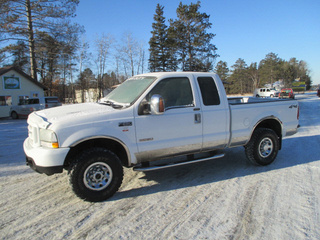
[157, 105]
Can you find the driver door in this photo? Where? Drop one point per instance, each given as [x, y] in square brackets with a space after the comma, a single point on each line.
[178, 130]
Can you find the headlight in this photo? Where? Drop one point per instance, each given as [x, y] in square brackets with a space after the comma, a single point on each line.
[48, 138]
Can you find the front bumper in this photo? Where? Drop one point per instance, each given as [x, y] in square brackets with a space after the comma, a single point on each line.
[45, 160]
[46, 170]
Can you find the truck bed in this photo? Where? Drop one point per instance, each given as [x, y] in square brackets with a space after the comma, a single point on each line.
[246, 114]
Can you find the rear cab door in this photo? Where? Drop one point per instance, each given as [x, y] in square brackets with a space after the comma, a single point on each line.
[215, 112]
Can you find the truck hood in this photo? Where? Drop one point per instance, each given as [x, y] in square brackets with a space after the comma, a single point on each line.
[73, 113]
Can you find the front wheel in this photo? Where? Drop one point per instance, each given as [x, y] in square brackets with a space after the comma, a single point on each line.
[263, 147]
[96, 174]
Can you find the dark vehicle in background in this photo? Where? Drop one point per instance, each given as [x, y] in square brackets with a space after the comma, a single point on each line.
[286, 93]
[27, 106]
[318, 92]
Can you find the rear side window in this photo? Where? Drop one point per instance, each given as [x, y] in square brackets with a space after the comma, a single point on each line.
[51, 100]
[209, 91]
[32, 101]
[36, 101]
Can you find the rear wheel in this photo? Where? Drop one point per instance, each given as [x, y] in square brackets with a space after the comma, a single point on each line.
[14, 115]
[263, 147]
[96, 175]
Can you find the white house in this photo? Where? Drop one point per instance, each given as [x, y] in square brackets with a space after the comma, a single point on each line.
[91, 95]
[16, 85]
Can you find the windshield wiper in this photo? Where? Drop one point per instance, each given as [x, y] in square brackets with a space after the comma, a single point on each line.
[112, 104]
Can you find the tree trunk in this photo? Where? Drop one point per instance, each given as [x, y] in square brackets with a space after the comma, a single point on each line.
[33, 64]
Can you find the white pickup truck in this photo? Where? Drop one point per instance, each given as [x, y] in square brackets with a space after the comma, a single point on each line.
[153, 121]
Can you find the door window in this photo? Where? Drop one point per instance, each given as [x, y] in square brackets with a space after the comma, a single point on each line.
[176, 92]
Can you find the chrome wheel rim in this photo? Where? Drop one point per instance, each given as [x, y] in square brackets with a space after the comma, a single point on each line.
[97, 176]
[265, 147]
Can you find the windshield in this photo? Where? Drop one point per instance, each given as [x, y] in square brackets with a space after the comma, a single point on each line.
[128, 91]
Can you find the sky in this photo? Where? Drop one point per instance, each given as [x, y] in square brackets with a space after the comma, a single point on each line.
[244, 29]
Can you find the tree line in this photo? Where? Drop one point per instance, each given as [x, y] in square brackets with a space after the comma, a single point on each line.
[40, 37]
[243, 78]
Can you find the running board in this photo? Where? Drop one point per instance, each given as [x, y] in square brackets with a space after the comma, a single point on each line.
[156, 167]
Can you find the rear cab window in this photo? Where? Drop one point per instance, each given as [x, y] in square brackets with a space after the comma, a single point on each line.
[209, 91]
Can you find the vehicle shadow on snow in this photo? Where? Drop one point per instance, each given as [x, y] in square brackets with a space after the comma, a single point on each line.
[233, 165]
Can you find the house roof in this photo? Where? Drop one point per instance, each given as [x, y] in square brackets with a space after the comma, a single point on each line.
[18, 70]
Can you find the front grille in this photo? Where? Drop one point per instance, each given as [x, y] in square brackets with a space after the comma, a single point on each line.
[33, 135]
[30, 134]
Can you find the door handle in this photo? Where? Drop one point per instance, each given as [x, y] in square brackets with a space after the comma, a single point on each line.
[197, 118]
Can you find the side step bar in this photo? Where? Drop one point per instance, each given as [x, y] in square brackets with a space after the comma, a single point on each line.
[156, 167]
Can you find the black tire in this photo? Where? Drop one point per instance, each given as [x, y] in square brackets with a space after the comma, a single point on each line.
[263, 147]
[96, 174]
[14, 115]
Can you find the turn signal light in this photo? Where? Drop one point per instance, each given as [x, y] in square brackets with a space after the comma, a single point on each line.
[55, 145]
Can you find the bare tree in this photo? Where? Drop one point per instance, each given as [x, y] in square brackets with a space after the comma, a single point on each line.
[130, 50]
[132, 55]
[83, 54]
[103, 45]
[141, 60]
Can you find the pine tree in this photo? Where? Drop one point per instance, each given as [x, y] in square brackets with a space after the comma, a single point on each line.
[269, 69]
[238, 77]
[161, 45]
[84, 81]
[19, 53]
[195, 49]
[222, 70]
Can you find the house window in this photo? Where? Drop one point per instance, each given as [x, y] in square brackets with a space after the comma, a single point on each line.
[34, 94]
[5, 101]
[23, 97]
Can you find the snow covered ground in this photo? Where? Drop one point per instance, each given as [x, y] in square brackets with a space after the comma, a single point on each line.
[226, 198]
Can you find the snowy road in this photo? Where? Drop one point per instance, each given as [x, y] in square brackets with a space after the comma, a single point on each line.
[226, 198]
